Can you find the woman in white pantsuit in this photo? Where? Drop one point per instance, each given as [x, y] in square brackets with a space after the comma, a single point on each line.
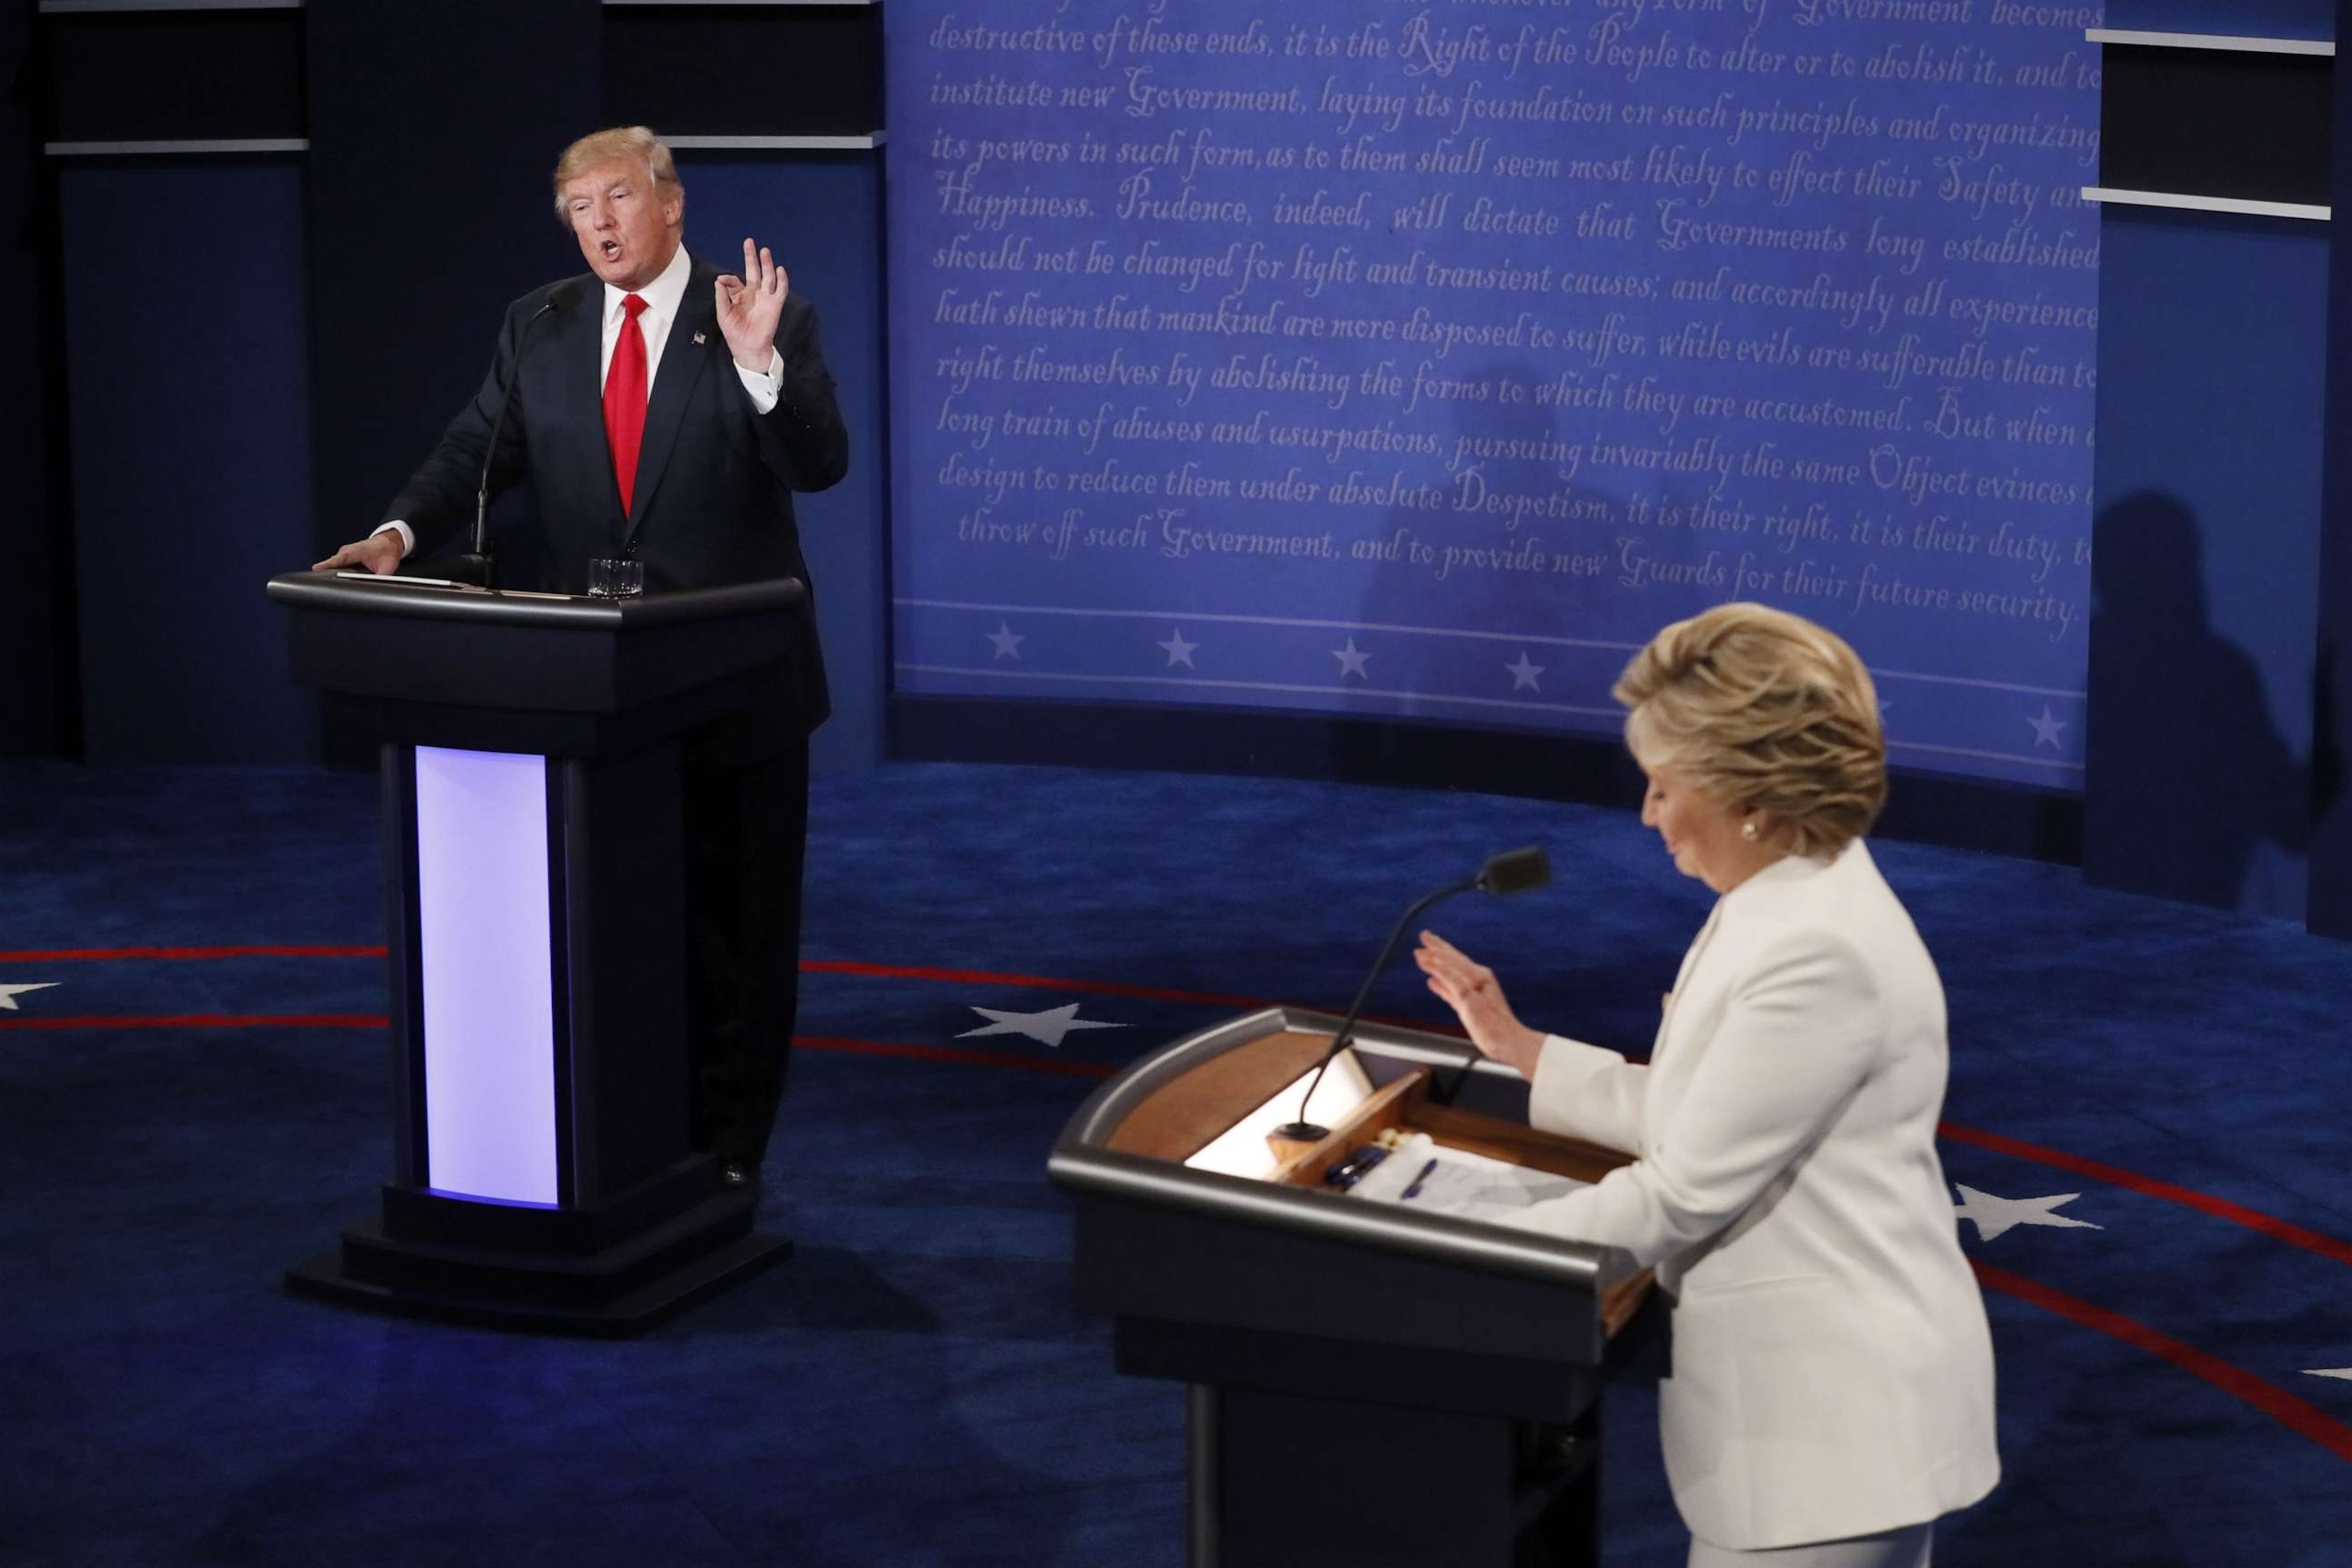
[1831, 1391]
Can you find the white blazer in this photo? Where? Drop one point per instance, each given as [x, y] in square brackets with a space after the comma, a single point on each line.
[1831, 1365]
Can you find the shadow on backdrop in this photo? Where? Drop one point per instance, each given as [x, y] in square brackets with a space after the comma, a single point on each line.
[2188, 774]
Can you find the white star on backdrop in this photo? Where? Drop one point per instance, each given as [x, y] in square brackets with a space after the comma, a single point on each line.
[1996, 1215]
[1179, 650]
[1048, 1027]
[2344, 1373]
[1008, 641]
[2046, 728]
[1352, 660]
[8, 993]
[1524, 673]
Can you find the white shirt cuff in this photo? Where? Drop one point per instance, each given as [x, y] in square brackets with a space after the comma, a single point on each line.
[766, 387]
[407, 535]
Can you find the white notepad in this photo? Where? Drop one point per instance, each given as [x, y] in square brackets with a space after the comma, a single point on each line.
[1466, 1186]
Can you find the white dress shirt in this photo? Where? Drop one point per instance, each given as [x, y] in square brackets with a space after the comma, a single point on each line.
[662, 298]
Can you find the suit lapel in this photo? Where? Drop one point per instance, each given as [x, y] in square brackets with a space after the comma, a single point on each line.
[682, 361]
[581, 355]
[1683, 979]
[1759, 892]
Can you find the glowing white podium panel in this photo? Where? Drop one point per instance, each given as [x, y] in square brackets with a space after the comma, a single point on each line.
[487, 975]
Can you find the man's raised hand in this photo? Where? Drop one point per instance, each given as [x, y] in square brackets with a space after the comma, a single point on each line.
[751, 306]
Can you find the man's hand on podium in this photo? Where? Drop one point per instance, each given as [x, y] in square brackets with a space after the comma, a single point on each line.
[379, 553]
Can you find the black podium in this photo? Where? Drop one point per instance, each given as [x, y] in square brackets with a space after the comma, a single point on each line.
[1369, 1385]
[542, 1174]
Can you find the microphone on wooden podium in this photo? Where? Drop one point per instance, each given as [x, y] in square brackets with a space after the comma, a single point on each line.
[475, 567]
[1512, 872]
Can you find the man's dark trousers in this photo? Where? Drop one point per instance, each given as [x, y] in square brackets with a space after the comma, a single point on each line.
[746, 825]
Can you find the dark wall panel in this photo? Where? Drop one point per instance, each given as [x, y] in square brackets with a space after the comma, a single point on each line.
[2244, 18]
[2331, 849]
[746, 70]
[435, 126]
[30, 665]
[2211, 385]
[2216, 122]
[184, 310]
[822, 216]
[129, 76]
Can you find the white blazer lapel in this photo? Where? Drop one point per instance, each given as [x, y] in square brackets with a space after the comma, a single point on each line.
[1683, 979]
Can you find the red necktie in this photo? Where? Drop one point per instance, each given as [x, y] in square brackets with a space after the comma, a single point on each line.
[625, 400]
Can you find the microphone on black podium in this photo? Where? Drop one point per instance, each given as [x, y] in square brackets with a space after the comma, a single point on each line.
[1512, 872]
[475, 567]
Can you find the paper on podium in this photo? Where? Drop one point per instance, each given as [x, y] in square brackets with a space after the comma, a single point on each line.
[361, 575]
[1466, 1186]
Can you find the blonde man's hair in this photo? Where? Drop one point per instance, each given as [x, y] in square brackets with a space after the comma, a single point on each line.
[1763, 711]
[631, 142]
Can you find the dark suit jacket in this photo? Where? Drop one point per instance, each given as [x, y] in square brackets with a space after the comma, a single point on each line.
[715, 477]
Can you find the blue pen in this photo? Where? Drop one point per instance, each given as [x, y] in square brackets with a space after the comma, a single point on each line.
[1421, 1175]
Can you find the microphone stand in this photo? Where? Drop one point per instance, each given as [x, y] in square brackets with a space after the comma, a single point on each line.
[1447, 1092]
[477, 566]
[1303, 1131]
[1514, 872]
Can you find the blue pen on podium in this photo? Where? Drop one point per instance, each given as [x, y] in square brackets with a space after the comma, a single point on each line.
[1413, 1191]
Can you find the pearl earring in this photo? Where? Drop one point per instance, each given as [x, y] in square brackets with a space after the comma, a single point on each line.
[1748, 830]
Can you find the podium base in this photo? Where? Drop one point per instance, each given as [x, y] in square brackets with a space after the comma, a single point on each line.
[613, 1292]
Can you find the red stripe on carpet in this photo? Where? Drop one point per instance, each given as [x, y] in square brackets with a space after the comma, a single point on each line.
[954, 1054]
[64, 954]
[212, 1021]
[2116, 1175]
[2298, 1416]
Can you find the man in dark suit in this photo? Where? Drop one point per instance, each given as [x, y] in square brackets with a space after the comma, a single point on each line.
[666, 411]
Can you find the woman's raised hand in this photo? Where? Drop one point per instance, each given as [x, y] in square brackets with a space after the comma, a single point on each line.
[1477, 997]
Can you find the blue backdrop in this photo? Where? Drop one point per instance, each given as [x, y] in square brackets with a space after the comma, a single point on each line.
[1398, 359]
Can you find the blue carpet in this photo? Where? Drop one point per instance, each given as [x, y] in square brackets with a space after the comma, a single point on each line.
[913, 1387]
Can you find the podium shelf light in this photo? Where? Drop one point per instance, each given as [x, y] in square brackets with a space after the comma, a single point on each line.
[1242, 1149]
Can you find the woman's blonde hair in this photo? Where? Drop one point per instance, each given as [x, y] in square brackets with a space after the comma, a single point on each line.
[1766, 711]
[635, 142]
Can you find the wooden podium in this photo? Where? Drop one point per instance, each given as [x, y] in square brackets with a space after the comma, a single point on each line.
[534, 895]
[1370, 1385]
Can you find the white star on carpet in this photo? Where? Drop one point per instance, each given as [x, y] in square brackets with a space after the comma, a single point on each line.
[8, 993]
[2046, 728]
[1524, 673]
[1179, 650]
[1008, 641]
[2344, 1373]
[1352, 660]
[1995, 1215]
[1048, 1027]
